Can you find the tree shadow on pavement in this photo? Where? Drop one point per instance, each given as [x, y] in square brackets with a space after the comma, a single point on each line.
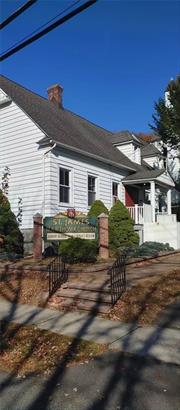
[130, 378]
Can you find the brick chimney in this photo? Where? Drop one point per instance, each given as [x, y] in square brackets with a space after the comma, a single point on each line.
[55, 94]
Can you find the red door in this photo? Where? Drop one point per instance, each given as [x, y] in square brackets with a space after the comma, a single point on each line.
[131, 196]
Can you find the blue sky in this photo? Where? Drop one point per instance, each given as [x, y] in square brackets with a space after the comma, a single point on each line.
[114, 60]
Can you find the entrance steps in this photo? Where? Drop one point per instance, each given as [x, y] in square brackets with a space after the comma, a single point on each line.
[89, 291]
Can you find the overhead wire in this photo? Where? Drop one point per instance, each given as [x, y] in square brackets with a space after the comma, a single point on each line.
[46, 30]
[43, 25]
[17, 13]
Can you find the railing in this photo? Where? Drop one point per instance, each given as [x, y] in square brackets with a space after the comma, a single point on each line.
[137, 213]
[118, 277]
[58, 274]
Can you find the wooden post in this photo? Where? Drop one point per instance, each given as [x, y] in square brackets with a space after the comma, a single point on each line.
[103, 236]
[136, 214]
[153, 200]
[169, 202]
[37, 236]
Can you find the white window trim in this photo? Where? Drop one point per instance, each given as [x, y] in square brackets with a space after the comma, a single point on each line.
[69, 204]
[96, 176]
[117, 181]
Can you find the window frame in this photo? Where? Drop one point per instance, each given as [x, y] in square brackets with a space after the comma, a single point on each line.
[91, 175]
[63, 167]
[118, 187]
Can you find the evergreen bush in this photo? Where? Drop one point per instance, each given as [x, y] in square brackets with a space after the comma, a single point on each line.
[152, 249]
[121, 228]
[75, 250]
[97, 208]
[9, 229]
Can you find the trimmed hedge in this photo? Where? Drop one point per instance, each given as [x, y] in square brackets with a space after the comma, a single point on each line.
[9, 229]
[121, 228]
[75, 250]
[97, 208]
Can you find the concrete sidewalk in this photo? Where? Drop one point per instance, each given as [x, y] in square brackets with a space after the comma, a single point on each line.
[159, 342]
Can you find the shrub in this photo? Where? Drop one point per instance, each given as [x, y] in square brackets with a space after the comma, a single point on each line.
[76, 250]
[121, 228]
[152, 249]
[9, 229]
[97, 208]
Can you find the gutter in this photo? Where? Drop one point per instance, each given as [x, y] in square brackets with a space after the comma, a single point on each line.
[97, 157]
[44, 158]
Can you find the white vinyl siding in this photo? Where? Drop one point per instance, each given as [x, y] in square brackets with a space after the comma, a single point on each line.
[132, 151]
[35, 176]
[19, 151]
[152, 161]
[83, 167]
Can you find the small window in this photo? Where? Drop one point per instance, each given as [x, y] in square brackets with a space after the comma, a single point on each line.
[64, 189]
[115, 191]
[91, 189]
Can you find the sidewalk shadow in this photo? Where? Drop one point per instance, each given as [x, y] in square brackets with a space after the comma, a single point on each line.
[129, 378]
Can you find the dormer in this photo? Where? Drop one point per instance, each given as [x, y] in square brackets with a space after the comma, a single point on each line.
[152, 156]
[128, 144]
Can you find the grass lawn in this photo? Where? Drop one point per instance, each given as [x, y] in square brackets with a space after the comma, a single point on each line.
[144, 302]
[29, 350]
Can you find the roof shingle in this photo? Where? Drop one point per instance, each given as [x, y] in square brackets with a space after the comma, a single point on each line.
[65, 127]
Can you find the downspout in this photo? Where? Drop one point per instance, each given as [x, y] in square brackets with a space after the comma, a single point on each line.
[44, 157]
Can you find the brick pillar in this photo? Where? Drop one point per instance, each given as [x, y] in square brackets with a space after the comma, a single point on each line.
[37, 236]
[103, 236]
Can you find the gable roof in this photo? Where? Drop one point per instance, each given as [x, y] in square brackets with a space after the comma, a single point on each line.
[124, 137]
[149, 150]
[66, 128]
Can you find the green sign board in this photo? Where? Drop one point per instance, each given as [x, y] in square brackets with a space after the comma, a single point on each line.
[59, 227]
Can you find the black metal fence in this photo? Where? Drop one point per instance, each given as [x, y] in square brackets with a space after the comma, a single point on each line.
[58, 274]
[117, 274]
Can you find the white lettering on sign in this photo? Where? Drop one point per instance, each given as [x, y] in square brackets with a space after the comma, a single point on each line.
[61, 236]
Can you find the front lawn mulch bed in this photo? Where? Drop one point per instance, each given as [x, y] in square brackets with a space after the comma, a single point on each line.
[144, 302]
[24, 287]
[29, 350]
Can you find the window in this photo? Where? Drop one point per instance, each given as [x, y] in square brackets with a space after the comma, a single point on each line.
[115, 192]
[91, 189]
[64, 189]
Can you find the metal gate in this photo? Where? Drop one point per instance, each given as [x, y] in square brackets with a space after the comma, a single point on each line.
[117, 274]
[58, 274]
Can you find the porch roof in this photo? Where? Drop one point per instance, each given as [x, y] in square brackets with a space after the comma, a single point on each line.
[148, 175]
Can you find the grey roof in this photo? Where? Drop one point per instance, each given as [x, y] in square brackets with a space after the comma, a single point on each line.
[145, 173]
[124, 136]
[65, 127]
[149, 150]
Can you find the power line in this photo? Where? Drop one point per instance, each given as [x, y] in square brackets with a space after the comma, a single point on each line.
[47, 29]
[44, 25]
[17, 13]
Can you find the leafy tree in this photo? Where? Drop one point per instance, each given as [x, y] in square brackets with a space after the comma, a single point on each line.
[97, 208]
[167, 115]
[121, 228]
[167, 123]
[13, 238]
